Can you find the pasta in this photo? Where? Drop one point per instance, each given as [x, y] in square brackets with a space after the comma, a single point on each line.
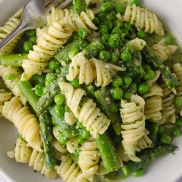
[9, 26]
[11, 83]
[25, 122]
[68, 170]
[162, 50]
[143, 19]
[133, 127]
[96, 70]
[88, 159]
[91, 116]
[96, 99]
[24, 154]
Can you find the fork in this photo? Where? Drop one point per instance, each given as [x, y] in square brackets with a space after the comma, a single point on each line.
[33, 16]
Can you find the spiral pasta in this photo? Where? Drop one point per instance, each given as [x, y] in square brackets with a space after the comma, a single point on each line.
[90, 70]
[22, 152]
[88, 159]
[137, 44]
[85, 111]
[133, 127]
[162, 50]
[25, 154]
[24, 120]
[144, 142]
[9, 26]
[6, 71]
[68, 170]
[143, 19]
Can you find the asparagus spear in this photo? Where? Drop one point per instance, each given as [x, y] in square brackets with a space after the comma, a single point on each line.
[146, 157]
[103, 98]
[107, 152]
[93, 49]
[168, 78]
[46, 137]
[63, 57]
[79, 6]
[13, 59]
[67, 130]
[26, 89]
[46, 100]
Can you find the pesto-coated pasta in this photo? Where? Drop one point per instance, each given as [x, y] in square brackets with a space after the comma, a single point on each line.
[143, 19]
[24, 120]
[86, 112]
[133, 127]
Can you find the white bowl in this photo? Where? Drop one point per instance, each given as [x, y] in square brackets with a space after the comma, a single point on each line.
[166, 169]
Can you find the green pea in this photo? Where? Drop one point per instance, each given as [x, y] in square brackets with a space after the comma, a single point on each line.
[101, 15]
[106, 6]
[117, 93]
[103, 29]
[75, 83]
[176, 131]
[30, 33]
[125, 33]
[177, 101]
[59, 99]
[104, 55]
[33, 39]
[138, 173]
[38, 78]
[126, 56]
[169, 40]
[84, 133]
[118, 23]
[120, 9]
[53, 64]
[136, 2]
[141, 34]
[10, 76]
[166, 139]
[179, 121]
[58, 70]
[133, 87]
[149, 75]
[114, 41]
[117, 81]
[127, 26]
[161, 129]
[50, 77]
[39, 89]
[116, 30]
[80, 124]
[82, 33]
[127, 80]
[73, 52]
[114, 108]
[79, 139]
[114, 57]
[109, 24]
[63, 140]
[60, 110]
[127, 95]
[105, 39]
[143, 88]
[130, 49]
[27, 46]
[111, 15]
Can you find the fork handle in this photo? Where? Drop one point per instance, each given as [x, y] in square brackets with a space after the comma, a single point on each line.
[18, 30]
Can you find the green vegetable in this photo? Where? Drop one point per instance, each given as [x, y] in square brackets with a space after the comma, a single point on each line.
[27, 46]
[67, 130]
[46, 137]
[79, 6]
[105, 101]
[107, 152]
[117, 93]
[143, 88]
[26, 89]
[104, 55]
[13, 59]
[47, 99]
[168, 78]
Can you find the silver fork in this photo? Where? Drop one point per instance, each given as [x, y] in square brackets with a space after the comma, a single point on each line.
[33, 16]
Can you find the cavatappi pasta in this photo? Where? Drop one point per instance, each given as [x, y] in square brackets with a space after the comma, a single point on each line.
[95, 94]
